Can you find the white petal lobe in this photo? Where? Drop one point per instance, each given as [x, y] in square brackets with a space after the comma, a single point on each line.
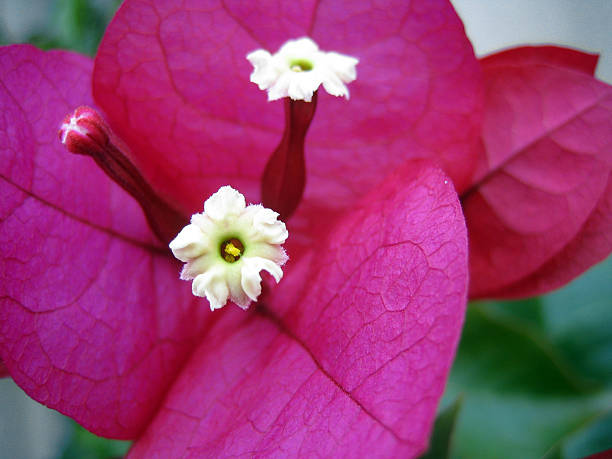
[189, 243]
[264, 73]
[251, 277]
[224, 203]
[212, 285]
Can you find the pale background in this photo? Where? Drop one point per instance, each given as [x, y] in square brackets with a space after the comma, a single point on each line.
[29, 430]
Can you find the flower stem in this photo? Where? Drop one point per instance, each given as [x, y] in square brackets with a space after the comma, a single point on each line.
[284, 177]
[84, 132]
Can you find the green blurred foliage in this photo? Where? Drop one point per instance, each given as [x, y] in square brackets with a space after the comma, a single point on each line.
[83, 444]
[532, 378]
[441, 441]
[536, 375]
[74, 24]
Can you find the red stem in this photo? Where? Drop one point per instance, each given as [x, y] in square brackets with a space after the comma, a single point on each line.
[284, 177]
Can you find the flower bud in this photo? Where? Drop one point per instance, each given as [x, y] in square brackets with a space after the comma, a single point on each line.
[84, 132]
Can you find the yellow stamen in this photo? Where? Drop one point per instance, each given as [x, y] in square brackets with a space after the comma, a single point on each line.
[231, 249]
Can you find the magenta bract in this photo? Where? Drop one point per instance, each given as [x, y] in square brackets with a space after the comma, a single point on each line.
[174, 82]
[349, 355]
[87, 324]
[539, 211]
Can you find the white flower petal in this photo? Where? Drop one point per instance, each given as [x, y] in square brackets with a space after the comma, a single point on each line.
[265, 225]
[227, 246]
[303, 46]
[213, 286]
[334, 86]
[299, 68]
[225, 202]
[264, 74]
[251, 279]
[272, 252]
[345, 67]
[190, 243]
[194, 268]
[280, 88]
[303, 85]
[237, 293]
[203, 222]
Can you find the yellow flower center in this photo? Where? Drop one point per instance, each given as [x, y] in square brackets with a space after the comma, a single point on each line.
[231, 250]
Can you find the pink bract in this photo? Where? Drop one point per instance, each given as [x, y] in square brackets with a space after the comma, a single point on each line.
[87, 325]
[347, 357]
[539, 212]
[351, 352]
[165, 70]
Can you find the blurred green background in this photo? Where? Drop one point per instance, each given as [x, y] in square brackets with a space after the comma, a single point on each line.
[67, 24]
[532, 378]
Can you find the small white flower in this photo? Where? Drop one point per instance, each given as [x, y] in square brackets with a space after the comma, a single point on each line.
[299, 68]
[227, 246]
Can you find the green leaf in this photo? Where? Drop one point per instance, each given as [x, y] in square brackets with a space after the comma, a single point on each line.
[596, 437]
[75, 24]
[537, 374]
[553, 453]
[518, 426]
[579, 321]
[528, 311]
[84, 444]
[442, 437]
[499, 353]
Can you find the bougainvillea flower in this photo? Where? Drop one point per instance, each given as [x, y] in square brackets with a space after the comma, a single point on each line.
[350, 352]
[352, 349]
[299, 68]
[227, 246]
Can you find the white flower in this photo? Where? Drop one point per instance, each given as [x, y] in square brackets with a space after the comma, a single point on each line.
[226, 247]
[299, 68]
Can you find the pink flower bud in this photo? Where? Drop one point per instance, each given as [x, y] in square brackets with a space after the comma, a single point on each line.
[84, 132]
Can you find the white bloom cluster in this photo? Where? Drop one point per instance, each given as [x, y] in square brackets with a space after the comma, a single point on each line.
[226, 247]
[299, 68]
